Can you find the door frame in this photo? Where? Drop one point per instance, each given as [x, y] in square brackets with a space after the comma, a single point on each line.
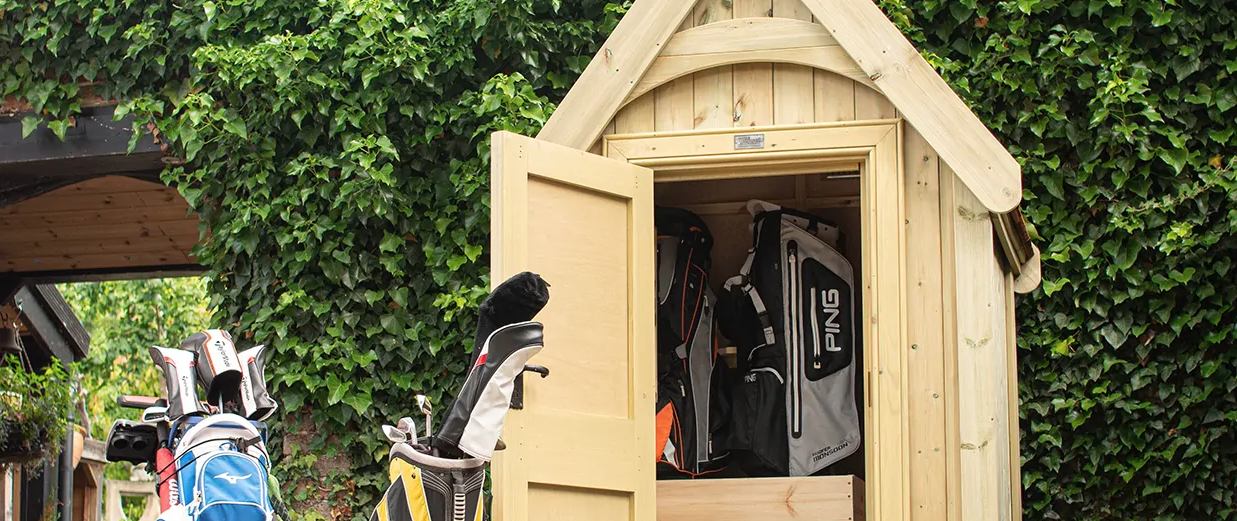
[875, 149]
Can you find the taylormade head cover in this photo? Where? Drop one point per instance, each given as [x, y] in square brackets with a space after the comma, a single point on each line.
[219, 367]
[256, 401]
[180, 377]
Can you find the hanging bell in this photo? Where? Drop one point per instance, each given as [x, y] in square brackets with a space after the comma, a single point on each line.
[8, 343]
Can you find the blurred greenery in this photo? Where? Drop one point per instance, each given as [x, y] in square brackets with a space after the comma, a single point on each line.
[126, 318]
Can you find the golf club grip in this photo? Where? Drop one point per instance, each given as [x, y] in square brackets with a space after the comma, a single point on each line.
[140, 402]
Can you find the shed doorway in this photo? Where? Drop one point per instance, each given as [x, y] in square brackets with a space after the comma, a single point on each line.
[849, 174]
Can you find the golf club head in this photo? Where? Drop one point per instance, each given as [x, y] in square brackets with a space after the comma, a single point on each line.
[180, 377]
[407, 425]
[219, 367]
[257, 402]
[155, 415]
[395, 434]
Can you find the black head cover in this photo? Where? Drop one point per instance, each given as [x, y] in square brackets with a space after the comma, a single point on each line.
[517, 299]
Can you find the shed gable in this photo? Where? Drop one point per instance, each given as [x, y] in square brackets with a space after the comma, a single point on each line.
[856, 41]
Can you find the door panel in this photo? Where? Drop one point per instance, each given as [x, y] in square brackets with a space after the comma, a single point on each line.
[582, 446]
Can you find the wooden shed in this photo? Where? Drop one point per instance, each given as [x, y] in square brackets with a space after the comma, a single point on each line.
[822, 105]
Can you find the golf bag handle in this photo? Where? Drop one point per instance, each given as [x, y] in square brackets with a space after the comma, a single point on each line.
[140, 402]
[517, 394]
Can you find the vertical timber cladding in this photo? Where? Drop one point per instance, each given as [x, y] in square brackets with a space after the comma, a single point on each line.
[750, 94]
[986, 474]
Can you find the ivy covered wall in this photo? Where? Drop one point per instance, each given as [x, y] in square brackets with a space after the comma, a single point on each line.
[337, 151]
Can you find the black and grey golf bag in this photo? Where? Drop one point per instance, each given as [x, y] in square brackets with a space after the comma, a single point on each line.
[791, 314]
[693, 405]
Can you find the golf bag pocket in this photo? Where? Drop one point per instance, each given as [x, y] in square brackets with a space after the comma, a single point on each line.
[229, 486]
[758, 432]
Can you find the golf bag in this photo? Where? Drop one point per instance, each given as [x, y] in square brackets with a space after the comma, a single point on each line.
[438, 477]
[425, 487]
[790, 312]
[222, 472]
[693, 405]
[210, 460]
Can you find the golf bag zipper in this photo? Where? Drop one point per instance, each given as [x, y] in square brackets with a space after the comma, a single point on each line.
[815, 331]
[794, 340]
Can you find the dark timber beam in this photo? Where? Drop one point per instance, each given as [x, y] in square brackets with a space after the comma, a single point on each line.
[42, 324]
[94, 146]
[109, 274]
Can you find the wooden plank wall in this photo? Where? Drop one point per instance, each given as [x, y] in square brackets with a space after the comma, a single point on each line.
[748, 95]
[983, 385]
[108, 222]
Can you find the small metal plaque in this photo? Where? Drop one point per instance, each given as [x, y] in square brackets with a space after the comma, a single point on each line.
[749, 141]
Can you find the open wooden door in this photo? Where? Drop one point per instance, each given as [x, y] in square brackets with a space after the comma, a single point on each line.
[582, 446]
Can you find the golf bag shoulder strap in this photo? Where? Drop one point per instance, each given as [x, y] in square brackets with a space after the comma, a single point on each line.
[744, 282]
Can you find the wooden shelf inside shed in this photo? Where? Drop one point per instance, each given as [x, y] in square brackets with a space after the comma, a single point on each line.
[824, 498]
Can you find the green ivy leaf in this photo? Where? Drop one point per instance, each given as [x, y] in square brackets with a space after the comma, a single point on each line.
[359, 401]
[28, 125]
[237, 126]
[390, 242]
[337, 389]
[1175, 158]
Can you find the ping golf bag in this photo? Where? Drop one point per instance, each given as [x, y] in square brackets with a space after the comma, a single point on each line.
[790, 312]
[693, 403]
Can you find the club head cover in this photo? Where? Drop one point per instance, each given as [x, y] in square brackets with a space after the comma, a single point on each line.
[475, 420]
[180, 377]
[517, 299]
[257, 402]
[219, 367]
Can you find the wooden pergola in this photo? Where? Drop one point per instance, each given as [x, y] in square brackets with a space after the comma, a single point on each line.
[85, 208]
[79, 209]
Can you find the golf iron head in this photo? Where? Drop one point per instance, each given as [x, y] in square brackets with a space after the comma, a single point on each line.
[180, 377]
[255, 400]
[219, 367]
[155, 415]
[403, 432]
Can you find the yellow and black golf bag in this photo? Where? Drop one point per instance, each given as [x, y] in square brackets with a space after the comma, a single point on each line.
[439, 476]
[429, 488]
